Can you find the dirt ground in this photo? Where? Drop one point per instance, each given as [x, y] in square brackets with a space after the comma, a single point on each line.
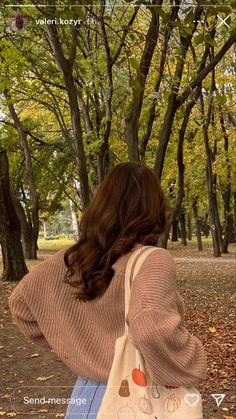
[207, 285]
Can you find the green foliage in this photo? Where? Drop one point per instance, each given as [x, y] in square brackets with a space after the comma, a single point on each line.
[30, 72]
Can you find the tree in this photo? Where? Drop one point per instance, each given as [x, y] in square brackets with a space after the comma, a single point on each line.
[30, 230]
[14, 267]
[123, 85]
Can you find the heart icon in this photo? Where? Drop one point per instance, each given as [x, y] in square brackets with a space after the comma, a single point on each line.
[192, 399]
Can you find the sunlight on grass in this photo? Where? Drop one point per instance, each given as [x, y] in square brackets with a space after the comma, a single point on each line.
[54, 244]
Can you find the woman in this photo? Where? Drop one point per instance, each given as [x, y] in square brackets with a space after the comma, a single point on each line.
[74, 301]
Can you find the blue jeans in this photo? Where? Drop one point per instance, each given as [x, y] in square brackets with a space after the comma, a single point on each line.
[86, 399]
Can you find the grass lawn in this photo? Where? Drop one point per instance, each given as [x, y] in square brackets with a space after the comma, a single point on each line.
[54, 244]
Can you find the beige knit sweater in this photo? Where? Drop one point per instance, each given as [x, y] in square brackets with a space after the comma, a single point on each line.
[83, 334]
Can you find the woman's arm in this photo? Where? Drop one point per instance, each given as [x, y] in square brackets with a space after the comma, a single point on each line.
[25, 320]
[29, 295]
[172, 355]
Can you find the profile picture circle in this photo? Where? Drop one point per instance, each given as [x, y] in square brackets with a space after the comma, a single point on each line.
[18, 22]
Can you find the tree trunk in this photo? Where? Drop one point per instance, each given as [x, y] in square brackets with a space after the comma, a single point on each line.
[14, 267]
[205, 226]
[135, 106]
[104, 157]
[75, 224]
[45, 231]
[66, 66]
[216, 211]
[183, 228]
[189, 227]
[181, 167]
[211, 179]
[27, 233]
[231, 228]
[174, 230]
[84, 108]
[227, 193]
[163, 240]
[234, 217]
[30, 178]
[173, 103]
[78, 142]
[228, 221]
[179, 231]
[198, 226]
[152, 109]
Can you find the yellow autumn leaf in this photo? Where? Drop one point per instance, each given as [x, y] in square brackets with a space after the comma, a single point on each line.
[212, 329]
[11, 414]
[34, 355]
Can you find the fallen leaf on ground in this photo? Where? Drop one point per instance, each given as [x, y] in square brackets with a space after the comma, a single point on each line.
[212, 329]
[44, 378]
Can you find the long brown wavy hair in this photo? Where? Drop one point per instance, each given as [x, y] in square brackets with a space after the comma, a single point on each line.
[128, 207]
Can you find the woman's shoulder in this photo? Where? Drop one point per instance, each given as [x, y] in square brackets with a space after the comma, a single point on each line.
[52, 262]
[41, 279]
[46, 270]
[158, 256]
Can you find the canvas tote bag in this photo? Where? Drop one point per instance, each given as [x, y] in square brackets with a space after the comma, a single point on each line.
[130, 392]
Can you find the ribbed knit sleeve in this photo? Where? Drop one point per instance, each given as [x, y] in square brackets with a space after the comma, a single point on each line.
[30, 295]
[172, 355]
[24, 319]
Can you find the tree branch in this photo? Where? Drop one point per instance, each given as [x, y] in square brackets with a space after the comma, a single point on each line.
[126, 30]
[205, 71]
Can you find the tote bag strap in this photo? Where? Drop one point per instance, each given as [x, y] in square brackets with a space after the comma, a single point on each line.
[133, 266]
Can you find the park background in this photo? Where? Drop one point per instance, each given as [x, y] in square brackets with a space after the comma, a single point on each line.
[151, 81]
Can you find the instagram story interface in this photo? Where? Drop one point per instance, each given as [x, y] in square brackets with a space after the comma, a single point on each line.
[96, 84]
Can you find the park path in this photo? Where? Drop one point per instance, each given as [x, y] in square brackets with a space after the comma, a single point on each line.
[177, 259]
[205, 260]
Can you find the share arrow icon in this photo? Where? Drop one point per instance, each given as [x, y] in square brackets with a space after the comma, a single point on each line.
[218, 398]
